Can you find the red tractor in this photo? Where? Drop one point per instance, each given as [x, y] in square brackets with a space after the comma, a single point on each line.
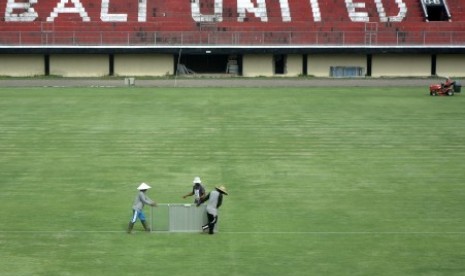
[449, 88]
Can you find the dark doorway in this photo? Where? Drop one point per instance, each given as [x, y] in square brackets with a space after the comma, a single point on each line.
[433, 65]
[47, 65]
[437, 13]
[369, 65]
[111, 65]
[436, 10]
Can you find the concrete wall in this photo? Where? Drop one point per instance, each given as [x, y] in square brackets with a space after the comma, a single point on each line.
[450, 65]
[257, 65]
[396, 65]
[319, 65]
[143, 65]
[79, 65]
[293, 65]
[22, 65]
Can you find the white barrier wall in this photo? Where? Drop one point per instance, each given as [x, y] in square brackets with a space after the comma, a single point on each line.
[401, 65]
[79, 65]
[22, 65]
[143, 65]
[257, 65]
[293, 65]
[450, 65]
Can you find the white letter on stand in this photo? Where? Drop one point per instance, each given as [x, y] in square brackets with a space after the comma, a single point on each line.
[315, 10]
[397, 18]
[285, 11]
[244, 6]
[356, 16]
[198, 17]
[28, 16]
[105, 17]
[142, 14]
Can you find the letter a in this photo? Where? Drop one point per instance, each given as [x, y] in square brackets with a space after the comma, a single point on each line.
[77, 8]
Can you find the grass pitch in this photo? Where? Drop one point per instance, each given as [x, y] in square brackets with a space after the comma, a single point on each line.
[322, 181]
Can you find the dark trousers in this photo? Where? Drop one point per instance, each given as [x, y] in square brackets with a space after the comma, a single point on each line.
[211, 223]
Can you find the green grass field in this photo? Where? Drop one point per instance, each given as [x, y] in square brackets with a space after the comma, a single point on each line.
[322, 181]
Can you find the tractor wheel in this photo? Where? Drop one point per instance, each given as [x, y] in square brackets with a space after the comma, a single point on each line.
[450, 93]
[433, 93]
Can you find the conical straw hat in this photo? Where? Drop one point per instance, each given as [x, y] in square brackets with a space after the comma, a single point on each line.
[222, 189]
[143, 186]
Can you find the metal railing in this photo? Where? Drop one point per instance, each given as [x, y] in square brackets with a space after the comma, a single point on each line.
[288, 38]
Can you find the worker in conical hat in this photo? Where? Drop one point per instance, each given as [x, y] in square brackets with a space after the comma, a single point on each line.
[215, 200]
[140, 201]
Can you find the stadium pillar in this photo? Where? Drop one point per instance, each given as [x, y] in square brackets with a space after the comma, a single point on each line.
[111, 65]
[304, 65]
[369, 64]
[433, 65]
[47, 65]
[239, 64]
[176, 61]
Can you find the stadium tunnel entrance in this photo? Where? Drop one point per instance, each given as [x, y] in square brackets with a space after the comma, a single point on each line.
[208, 64]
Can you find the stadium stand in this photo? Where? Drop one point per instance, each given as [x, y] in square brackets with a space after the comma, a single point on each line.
[235, 27]
[86, 22]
